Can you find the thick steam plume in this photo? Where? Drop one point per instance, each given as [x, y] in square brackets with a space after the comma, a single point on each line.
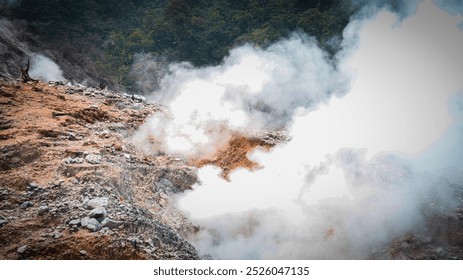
[45, 69]
[360, 168]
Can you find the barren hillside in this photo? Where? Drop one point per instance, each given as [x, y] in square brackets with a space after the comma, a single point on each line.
[73, 187]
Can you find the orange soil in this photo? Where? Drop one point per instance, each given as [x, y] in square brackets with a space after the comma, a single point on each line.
[234, 155]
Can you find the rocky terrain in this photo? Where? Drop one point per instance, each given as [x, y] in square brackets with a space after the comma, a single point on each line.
[73, 185]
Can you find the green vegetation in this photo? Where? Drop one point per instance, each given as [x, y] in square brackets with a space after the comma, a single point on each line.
[111, 32]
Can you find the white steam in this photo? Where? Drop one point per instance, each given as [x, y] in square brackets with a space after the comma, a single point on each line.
[148, 71]
[359, 168]
[45, 69]
[253, 88]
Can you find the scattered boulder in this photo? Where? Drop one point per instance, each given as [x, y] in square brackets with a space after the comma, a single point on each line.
[105, 134]
[135, 97]
[22, 249]
[98, 213]
[76, 160]
[96, 202]
[75, 222]
[93, 159]
[43, 209]
[56, 83]
[94, 225]
[32, 186]
[107, 222]
[71, 136]
[26, 204]
[84, 221]
[58, 183]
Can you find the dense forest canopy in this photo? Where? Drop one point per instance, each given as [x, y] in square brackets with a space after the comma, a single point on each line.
[202, 32]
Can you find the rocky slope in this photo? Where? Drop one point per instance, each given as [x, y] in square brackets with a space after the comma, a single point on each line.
[71, 184]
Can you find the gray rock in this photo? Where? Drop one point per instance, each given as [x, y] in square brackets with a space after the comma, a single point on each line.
[93, 159]
[74, 222]
[166, 183]
[26, 204]
[56, 83]
[135, 96]
[32, 186]
[107, 222]
[83, 252]
[71, 136]
[22, 249]
[43, 209]
[58, 183]
[99, 212]
[2, 222]
[96, 202]
[75, 160]
[93, 225]
[105, 133]
[84, 221]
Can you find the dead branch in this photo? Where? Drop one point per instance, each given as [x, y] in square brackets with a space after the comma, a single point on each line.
[25, 74]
